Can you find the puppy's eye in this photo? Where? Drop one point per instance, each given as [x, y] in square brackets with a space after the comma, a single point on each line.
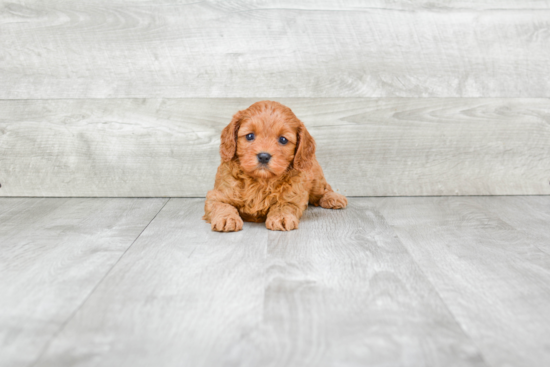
[283, 140]
[250, 137]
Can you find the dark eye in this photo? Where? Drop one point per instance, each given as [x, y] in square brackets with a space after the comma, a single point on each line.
[250, 136]
[283, 140]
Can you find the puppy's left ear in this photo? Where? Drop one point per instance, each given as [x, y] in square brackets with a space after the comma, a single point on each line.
[305, 149]
[228, 144]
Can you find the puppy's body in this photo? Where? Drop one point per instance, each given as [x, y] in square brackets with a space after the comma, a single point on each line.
[253, 187]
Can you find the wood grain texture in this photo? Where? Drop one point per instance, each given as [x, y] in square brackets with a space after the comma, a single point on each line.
[181, 296]
[534, 218]
[284, 48]
[341, 291]
[493, 275]
[366, 146]
[53, 252]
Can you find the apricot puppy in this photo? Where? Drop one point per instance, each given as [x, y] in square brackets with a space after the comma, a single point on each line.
[268, 172]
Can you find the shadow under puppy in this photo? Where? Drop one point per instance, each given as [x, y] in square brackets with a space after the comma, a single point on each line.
[268, 172]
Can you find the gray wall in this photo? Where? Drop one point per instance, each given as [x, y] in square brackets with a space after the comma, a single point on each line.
[128, 98]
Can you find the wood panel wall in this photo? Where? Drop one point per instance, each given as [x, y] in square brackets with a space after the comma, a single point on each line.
[128, 98]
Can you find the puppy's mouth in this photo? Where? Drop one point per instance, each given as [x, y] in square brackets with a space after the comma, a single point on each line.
[263, 167]
[263, 170]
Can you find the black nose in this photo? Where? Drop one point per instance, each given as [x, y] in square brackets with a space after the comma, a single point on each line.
[264, 157]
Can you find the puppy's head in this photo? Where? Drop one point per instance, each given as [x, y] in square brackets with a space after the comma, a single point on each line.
[267, 139]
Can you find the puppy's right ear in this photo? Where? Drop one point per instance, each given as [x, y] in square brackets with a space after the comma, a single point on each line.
[305, 149]
[228, 145]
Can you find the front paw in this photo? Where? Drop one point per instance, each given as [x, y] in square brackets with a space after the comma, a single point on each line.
[333, 200]
[282, 222]
[227, 223]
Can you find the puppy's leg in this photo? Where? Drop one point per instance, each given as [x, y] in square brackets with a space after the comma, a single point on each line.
[333, 200]
[322, 194]
[283, 217]
[222, 217]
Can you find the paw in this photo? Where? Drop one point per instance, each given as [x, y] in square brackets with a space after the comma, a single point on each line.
[280, 222]
[229, 223]
[333, 200]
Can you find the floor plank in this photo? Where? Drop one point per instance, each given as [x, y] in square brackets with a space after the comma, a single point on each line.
[530, 215]
[53, 252]
[372, 147]
[494, 277]
[181, 296]
[283, 48]
[341, 290]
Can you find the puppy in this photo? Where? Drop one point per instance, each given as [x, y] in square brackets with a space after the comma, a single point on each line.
[268, 172]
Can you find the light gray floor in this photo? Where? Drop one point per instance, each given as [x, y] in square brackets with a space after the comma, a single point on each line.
[425, 281]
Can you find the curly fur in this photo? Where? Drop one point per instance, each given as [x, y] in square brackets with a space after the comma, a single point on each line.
[276, 193]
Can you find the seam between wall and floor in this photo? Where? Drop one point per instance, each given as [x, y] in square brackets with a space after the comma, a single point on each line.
[85, 300]
[204, 197]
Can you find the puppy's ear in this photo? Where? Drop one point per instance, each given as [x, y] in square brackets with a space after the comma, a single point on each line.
[228, 144]
[305, 149]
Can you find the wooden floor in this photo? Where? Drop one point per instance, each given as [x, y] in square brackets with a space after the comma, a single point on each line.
[424, 281]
